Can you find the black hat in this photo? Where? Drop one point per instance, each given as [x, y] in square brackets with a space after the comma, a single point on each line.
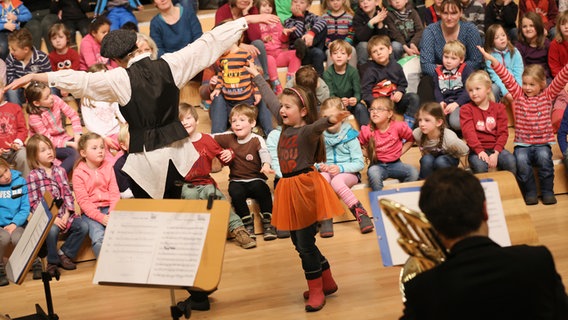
[118, 43]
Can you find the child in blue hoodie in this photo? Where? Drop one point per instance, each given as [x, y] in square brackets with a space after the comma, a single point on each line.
[341, 169]
[13, 212]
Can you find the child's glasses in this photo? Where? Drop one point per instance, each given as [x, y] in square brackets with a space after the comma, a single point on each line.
[377, 110]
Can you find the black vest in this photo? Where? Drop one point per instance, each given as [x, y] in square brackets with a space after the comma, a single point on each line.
[152, 112]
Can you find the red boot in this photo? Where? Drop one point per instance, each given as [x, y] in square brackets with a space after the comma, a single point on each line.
[316, 301]
[329, 285]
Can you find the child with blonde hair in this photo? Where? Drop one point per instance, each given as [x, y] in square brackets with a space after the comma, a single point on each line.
[484, 127]
[533, 128]
[384, 141]
[122, 179]
[498, 44]
[440, 146]
[45, 117]
[104, 118]
[14, 211]
[47, 176]
[339, 18]
[95, 187]
[344, 160]
[449, 85]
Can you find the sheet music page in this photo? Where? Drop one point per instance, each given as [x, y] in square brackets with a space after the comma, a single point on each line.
[159, 248]
[28, 242]
[497, 224]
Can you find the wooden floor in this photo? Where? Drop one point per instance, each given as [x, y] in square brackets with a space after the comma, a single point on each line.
[265, 282]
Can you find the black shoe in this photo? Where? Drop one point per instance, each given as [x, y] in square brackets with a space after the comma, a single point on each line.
[548, 199]
[531, 201]
[3, 277]
[202, 305]
[301, 48]
[281, 234]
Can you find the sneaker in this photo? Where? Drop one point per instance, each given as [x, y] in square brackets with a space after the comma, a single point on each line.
[269, 233]
[281, 234]
[548, 199]
[301, 48]
[66, 263]
[326, 228]
[36, 269]
[243, 238]
[531, 200]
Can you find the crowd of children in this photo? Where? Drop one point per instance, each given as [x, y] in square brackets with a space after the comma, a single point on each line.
[315, 154]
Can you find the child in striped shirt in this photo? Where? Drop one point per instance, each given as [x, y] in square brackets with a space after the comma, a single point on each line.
[533, 126]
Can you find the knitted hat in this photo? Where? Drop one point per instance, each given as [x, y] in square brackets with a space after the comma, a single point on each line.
[118, 43]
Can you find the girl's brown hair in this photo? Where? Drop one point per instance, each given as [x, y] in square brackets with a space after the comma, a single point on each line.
[538, 26]
[490, 39]
[82, 144]
[97, 23]
[388, 104]
[4, 164]
[562, 19]
[305, 98]
[33, 93]
[32, 149]
[435, 110]
[270, 3]
[59, 27]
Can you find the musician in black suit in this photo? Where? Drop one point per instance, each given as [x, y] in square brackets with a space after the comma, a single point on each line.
[479, 279]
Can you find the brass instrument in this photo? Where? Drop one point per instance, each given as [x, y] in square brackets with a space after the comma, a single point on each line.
[417, 238]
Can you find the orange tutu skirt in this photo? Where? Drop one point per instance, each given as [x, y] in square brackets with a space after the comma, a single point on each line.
[302, 200]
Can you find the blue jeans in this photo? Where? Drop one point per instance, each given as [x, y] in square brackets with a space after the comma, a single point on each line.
[539, 156]
[119, 16]
[408, 105]
[454, 119]
[221, 108]
[76, 235]
[67, 156]
[397, 50]
[261, 58]
[362, 52]
[96, 232]
[361, 114]
[430, 163]
[313, 261]
[202, 192]
[505, 161]
[378, 172]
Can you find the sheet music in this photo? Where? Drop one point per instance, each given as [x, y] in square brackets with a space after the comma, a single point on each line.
[159, 248]
[497, 224]
[29, 241]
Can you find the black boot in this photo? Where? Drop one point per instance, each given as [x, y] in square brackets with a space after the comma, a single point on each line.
[3, 278]
[248, 222]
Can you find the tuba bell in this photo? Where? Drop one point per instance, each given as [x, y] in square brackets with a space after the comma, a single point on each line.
[417, 238]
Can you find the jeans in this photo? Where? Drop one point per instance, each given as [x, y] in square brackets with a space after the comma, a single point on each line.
[96, 232]
[18, 160]
[430, 163]
[361, 113]
[4, 50]
[380, 171]
[221, 108]
[408, 105]
[76, 234]
[505, 161]
[81, 25]
[7, 238]
[202, 192]
[304, 241]
[119, 16]
[39, 26]
[68, 156]
[454, 119]
[496, 92]
[15, 96]
[397, 50]
[261, 58]
[362, 53]
[539, 156]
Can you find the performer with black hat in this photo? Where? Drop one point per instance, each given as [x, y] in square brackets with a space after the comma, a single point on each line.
[148, 93]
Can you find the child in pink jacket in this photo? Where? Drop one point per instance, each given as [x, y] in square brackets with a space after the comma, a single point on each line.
[96, 190]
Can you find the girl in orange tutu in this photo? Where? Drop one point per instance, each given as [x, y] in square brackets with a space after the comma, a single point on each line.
[303, 197]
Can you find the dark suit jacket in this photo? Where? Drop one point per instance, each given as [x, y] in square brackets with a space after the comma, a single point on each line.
[481, 280]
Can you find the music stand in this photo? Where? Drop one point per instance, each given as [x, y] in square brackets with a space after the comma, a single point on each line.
[147, 212]
[28, 249]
